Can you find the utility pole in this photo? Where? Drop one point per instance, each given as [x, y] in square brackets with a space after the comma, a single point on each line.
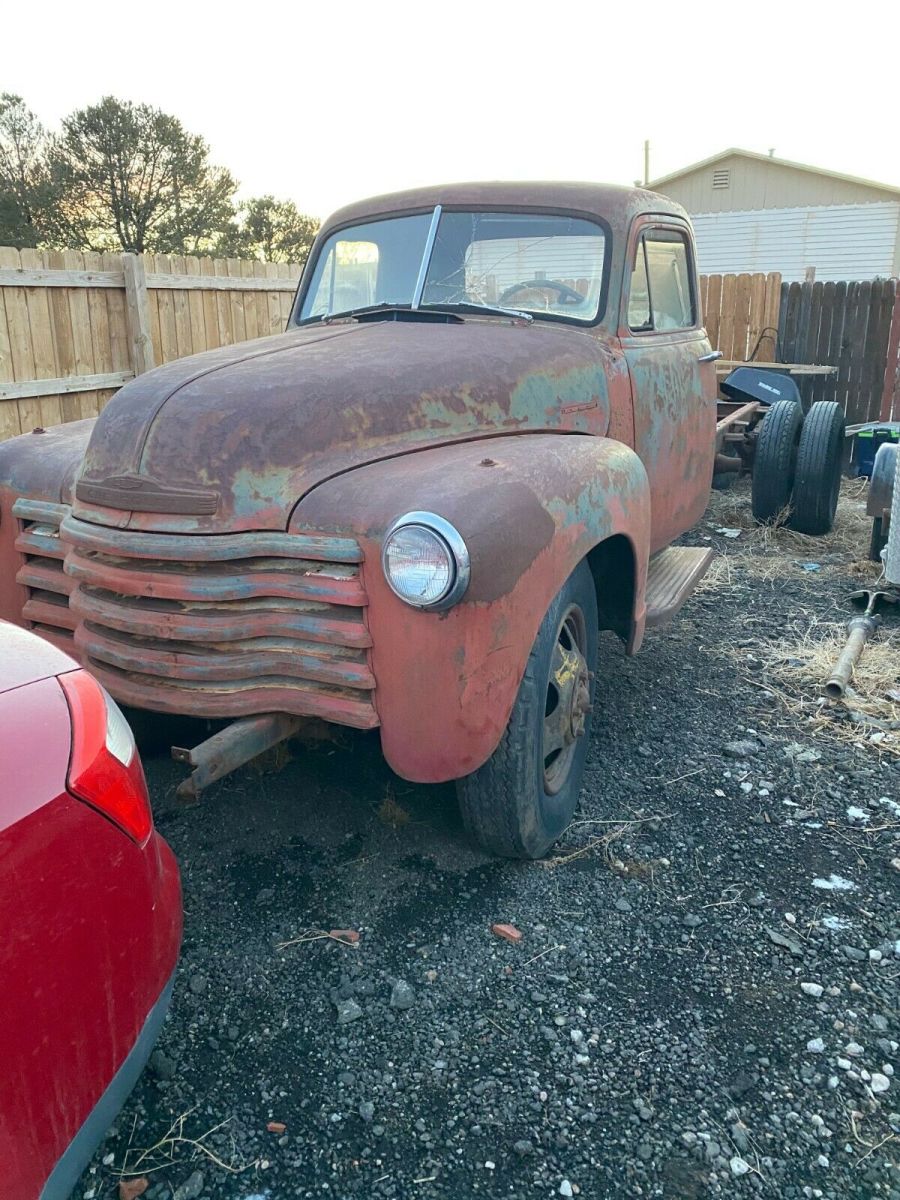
[646, 162]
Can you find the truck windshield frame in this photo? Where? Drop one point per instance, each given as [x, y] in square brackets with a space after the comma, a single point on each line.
[547, 265]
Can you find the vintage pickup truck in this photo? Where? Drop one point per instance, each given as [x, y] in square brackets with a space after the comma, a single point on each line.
[492, 413]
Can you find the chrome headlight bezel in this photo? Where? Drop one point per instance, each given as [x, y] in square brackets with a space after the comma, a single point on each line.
[457, 551]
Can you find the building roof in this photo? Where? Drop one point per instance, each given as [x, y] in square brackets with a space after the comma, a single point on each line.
[780, 162]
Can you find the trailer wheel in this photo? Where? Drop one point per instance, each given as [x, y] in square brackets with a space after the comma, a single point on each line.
[522, 799]
[775, 460]
[817, 481]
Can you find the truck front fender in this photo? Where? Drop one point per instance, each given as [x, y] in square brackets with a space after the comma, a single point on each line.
[40, 465]
[530, 508]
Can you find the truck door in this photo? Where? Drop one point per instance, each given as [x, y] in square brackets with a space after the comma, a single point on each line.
[673, 389]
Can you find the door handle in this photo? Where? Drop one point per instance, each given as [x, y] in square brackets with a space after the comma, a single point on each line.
[712, 356]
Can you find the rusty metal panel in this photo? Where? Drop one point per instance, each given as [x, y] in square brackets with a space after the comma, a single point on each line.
[323, 405]
[529, 508]
[166, 628]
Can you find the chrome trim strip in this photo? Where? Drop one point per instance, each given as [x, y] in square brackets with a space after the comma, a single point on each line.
[426, 257]
[454, 542]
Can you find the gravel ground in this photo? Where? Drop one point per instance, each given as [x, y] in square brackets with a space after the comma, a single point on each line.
[702, 1002]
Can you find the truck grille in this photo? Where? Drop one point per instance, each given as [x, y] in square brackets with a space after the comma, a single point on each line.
[223, 625]
[47, 587]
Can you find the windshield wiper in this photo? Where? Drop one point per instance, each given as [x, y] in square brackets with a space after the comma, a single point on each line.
[472, 307]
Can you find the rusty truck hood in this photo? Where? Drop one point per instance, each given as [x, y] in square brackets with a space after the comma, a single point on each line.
[232, 439]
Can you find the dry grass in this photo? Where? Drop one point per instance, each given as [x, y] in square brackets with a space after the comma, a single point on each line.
[868, 715]
[797, 665]
[391, 811]
[772, 552]
[176, 1147]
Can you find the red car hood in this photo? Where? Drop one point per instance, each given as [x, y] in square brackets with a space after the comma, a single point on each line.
[234, 438]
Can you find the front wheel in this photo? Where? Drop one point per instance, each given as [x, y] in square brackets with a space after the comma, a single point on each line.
[522, 799]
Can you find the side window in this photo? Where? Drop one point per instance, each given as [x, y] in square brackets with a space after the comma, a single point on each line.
[661, 295]
[639, 295]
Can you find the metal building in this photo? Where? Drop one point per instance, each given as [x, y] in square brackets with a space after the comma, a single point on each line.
[754, 212]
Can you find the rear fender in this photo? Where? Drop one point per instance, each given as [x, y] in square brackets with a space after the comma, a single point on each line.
[530, 508]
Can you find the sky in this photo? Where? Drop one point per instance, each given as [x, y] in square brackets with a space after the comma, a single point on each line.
[331, 102]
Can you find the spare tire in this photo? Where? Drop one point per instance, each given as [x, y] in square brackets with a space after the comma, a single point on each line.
[773, 464]
[817, 479]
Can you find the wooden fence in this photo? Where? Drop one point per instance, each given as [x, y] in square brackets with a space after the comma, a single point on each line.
[848, 326]
[75, 326]
[741, 314]
[854, 327]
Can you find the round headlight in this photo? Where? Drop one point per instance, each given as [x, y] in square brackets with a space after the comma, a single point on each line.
[425, 561]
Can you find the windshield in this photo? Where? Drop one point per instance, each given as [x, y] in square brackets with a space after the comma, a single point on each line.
[546, 265]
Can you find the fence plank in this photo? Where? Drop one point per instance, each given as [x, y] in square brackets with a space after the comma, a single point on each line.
[40, 329]
[877, 354]
[714, 308]
[806, 348]
[726, 316]
[43, 277]
[857, 340]
[10, 425]
[67, 384]
[822, 348]
[20, 351]
[236, 304]
[768, 350]
[756, 316]
[165, 309]
[789, 321]
[137, 310]
[890, 396]
[180, 303]
[195, 306]
[224, 283]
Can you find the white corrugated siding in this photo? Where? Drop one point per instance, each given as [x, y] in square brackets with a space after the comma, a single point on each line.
[847, 241]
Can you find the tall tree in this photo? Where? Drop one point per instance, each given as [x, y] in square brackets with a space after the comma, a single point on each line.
[131, 177]
[24, 183]
[270, 230]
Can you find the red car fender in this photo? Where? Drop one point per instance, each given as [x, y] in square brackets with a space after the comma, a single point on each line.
[529, 508]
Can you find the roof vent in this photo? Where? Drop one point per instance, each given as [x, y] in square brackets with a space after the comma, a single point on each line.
[722, 179]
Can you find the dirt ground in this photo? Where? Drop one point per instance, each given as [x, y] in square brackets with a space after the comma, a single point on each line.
[703, 1001]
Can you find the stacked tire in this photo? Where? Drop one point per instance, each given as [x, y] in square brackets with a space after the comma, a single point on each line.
[797, 466]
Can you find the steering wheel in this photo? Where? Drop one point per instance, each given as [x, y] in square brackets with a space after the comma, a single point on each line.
[567, 295]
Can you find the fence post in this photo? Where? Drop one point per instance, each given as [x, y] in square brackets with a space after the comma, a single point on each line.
[892, 363]
[137, 309]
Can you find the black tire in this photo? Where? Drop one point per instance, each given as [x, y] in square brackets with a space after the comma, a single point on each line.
[515, 805]
[817, 480]
[878, 540]
[775, 460]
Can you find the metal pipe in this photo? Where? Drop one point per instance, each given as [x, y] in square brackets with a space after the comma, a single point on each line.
[859, 630]
[728, 462]
[230, 748]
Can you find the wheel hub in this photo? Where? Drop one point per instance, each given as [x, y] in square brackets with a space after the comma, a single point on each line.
[568, 701]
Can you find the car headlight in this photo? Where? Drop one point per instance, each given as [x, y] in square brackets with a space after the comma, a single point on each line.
[425, 561]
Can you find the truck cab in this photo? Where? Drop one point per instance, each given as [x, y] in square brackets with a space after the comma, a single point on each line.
[491, 413]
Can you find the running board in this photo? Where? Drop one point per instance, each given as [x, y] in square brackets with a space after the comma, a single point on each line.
[671, 578]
